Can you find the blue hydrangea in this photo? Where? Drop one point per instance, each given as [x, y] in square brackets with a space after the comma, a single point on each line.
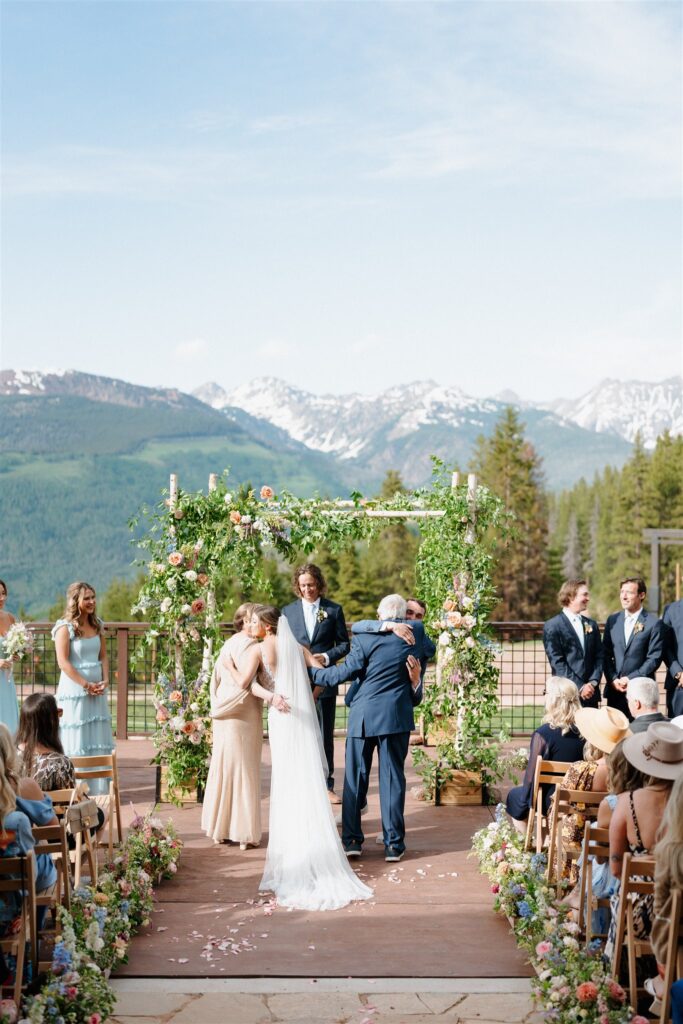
[538, 862]
[517, 890]
[61, 958]
[500, 813]
[523, 909]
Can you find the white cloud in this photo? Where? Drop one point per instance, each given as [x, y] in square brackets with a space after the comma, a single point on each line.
[191, 349]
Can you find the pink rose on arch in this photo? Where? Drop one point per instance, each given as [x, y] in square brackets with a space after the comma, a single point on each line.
[176, 697]
[587, 992]
[542, 948]
[267, 492]
[495, 888]
[8, 1009]
[71, 992]
[162, 715]
[197, 606]
[95, 1018]
[616, 991]
[175, 558]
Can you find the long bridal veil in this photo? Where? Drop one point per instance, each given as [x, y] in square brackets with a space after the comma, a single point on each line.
[306, 866]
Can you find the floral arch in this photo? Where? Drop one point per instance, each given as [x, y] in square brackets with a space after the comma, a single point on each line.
[195, 538]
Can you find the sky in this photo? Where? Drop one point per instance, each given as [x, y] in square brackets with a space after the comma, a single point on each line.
[346, 195]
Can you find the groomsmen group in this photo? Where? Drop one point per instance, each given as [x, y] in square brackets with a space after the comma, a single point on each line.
[633, 646]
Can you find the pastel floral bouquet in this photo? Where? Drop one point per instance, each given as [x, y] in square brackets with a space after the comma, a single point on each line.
[18, 641]
[102, 925]
[183, 734]
[76, 990]
[125, 881]
[153, 846]
[573, 984]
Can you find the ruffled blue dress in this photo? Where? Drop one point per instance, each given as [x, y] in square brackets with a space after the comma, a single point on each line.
[85, 726]
[9, 710]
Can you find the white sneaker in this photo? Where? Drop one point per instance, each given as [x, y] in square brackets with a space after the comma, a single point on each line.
[379, 841]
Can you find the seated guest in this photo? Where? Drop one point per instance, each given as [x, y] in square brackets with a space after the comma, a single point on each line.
[642, 697]
[638, 815]
[42, 756]
[668, 876]
[22, 804]
[602, 728]
[556, 739]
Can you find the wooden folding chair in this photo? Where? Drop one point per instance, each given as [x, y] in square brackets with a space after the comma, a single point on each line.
[673, 970]
[18, 876]
[547, 773]
[51, 839]
[637, 879]
[595, 844]
[62, 799]
[103, 766]
[565, 802]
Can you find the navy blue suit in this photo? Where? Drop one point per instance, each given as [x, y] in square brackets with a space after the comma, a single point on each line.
[673, 656]
[380, 716]
[642, 656]
[330, 637]
[568, 659]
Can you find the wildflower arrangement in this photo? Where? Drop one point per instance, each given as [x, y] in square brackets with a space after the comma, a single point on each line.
[96, 934]
[573, 984]
[183, 734]
[18, 641]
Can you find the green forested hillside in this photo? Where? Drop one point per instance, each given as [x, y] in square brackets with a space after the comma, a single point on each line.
[64, 510]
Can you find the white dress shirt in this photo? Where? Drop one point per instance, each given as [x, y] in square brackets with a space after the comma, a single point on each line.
[577, 623]
[311, 609]
[630, 619]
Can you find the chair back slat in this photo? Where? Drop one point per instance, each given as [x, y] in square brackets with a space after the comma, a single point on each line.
[545, 773]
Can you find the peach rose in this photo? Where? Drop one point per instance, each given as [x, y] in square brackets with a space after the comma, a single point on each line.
[267, 492]
[235, 517]
[454, 619]
[175, 558]
[202, 579]
[197, 606]
[176, 697]
[587, 992]
[187, 728]
[162, 715]
[448, 605]
[178, 514]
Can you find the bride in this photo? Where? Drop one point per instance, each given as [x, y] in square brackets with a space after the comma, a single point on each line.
[306, 866]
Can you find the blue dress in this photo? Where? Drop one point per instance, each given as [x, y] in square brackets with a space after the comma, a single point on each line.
[85, 726]
[9, 710]
[17, 839]
[553, 745]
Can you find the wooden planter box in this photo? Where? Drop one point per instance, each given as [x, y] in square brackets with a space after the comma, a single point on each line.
[464, 788]
[190, 794]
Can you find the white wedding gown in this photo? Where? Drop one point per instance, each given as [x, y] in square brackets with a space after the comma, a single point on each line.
[306, 866]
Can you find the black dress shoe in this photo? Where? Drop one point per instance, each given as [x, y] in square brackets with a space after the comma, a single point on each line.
[391, 854]
[353, 850]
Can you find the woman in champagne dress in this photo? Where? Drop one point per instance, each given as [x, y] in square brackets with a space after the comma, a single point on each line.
[232, 801]
[85, 726]
[9, 711]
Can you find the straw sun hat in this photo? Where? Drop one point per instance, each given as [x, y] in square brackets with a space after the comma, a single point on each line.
[658, 751]
[603, 727]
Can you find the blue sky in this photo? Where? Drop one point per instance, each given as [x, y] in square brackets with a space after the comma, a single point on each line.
[346, 195]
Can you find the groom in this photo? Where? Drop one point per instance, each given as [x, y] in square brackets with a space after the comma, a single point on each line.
[380, 716]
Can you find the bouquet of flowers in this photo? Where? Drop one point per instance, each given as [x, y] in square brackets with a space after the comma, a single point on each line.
[183, 733]
[103, 928]
[18, 641]
[126, 882]
[153, 846]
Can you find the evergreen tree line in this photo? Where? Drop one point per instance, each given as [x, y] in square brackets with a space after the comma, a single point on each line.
[593, 531]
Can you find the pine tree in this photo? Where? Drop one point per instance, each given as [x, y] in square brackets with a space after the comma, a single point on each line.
[389, 565]
[571, 559]
[509, 465]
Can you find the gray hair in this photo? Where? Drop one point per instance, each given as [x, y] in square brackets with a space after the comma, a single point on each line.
[393, 606]
[644, 690]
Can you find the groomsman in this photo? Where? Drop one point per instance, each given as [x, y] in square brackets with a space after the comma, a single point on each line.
[633, 642]
[319, 625]
[572, 642]
[673, 656]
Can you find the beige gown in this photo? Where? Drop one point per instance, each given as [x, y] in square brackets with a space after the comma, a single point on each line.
[232, 801]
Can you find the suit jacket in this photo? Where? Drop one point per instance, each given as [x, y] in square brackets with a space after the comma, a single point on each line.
[374, 626]
[566, 656]
[641, 656]
[673, 642]
[383, 701]
[330, 635]
[643, 722]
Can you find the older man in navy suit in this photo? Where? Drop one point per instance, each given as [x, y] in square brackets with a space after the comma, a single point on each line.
[633, 643]
[572, 642]
[673, 656]
[319, 625]
[388, 672]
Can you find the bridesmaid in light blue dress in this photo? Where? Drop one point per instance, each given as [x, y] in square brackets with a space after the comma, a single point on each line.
[9, 710]
[85, 727]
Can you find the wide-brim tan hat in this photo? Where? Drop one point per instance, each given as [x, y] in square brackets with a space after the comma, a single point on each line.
[678, 720]
[603, 727]
[657, 752]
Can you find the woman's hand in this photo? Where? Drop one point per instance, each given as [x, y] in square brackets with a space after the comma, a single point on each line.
[5, 663]
[414, 671]
[95, 689]
[280, 703]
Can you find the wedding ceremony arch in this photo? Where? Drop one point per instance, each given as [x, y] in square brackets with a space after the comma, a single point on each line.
[195, 539]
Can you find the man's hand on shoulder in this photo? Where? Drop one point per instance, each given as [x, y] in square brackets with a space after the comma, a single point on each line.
[401, 629]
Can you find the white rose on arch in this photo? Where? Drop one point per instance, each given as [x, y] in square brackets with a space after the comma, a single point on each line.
[444, 640]
[185, 609]
[190, 575]
[165, 605]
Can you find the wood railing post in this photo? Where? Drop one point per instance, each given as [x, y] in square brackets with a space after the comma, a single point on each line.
[122, 684]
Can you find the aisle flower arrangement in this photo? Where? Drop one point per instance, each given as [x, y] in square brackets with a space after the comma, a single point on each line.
[183, 730]
[96, 934]
[573, 983]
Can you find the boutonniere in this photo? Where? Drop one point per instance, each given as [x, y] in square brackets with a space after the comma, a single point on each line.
[321, 616]
[638, 628]
[587, 628]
